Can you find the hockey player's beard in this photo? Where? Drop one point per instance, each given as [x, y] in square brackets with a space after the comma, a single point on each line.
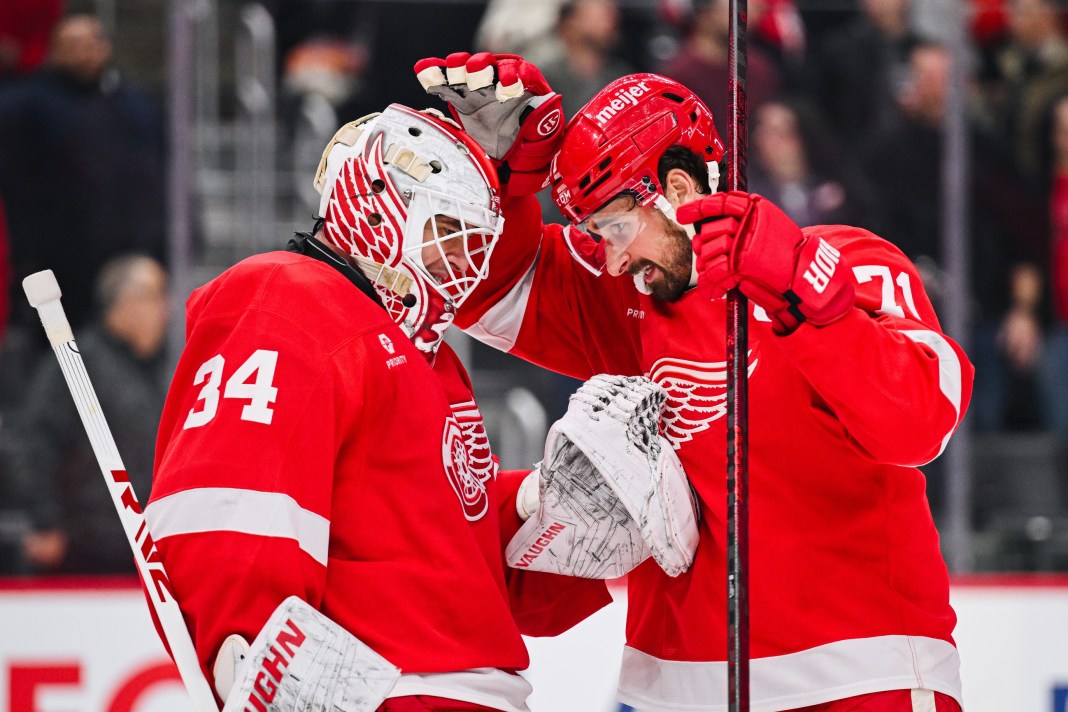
[674, 272]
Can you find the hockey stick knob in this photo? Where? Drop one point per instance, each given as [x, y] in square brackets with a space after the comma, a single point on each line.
[44, 294]
[41, 287]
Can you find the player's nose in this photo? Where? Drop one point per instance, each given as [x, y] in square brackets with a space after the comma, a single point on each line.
[617, 261]
[457, 257]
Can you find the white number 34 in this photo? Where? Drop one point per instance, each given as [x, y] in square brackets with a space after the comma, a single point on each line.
[252, 381]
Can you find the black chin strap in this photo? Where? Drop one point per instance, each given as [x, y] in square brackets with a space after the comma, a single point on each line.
[303, 243]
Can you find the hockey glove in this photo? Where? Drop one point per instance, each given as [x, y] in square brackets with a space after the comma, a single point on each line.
[506, 106]
[304, 662]
[745, 240]
[611, 489]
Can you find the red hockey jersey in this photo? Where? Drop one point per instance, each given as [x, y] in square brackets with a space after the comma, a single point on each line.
[307, 448]
[849, 593]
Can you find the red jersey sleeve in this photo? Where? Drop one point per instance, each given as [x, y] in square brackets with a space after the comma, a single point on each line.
[896, 383]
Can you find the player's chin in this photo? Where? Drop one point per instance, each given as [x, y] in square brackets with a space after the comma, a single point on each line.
[668, 287]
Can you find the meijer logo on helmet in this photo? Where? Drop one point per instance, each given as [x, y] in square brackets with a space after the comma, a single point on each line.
[627, 96]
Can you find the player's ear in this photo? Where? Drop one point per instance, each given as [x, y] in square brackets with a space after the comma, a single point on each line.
[680, 187]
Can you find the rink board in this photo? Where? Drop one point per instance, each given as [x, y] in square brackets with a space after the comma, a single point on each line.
[89, 646]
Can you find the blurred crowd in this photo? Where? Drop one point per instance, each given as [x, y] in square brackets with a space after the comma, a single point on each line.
[847, 112]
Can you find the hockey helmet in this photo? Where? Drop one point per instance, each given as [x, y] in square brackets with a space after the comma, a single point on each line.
[614, 143]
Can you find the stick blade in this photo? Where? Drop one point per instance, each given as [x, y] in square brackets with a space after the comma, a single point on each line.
[41, 288]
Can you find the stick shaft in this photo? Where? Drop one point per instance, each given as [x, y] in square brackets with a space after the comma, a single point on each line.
[124, 498]
[737, 389]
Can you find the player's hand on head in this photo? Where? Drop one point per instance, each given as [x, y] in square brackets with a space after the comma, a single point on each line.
[506, 106]
[747, 241]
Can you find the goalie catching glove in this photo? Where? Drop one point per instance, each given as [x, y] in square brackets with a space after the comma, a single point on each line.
[504, 103]
[611, 490]
[302, 661]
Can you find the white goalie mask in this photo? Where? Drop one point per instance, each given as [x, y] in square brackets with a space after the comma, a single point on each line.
[416, 203]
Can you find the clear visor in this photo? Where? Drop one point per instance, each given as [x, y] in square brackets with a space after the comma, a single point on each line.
[457, 238]
[617, 224]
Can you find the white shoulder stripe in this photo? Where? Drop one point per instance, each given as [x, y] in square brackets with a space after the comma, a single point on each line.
[226, 509]
[499, 326]
[949, 378]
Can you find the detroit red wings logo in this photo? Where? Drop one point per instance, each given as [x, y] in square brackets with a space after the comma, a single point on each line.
[366, 215]
[364, 189]
[696, 395]
[466, 455]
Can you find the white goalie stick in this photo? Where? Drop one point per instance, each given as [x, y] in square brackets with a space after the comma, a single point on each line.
[44, 294]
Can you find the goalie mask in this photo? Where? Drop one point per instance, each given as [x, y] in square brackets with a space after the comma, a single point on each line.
[416, 204]
[614, 143]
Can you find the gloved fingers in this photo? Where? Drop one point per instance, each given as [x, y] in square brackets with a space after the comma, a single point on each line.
[459, 71]
[711, 252]
[714, 265]
[627, 399]
[480, 70]
[736, 203]
[509, 83]
[695, 210]
[456, 68]
[711, 231]
[714, 284]
[710, 292]
[733, 204]
[606, 388]
[430, 71]
[768, 296]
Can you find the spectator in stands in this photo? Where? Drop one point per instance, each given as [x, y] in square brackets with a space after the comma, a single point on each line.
[75, 526]
[905, 165]
[701, 64]
[589, 33]
[82, 170]
[789, 164]
[1046, 290]
[857, 73]
[521, 27]
[1029, 72]
[25, 26]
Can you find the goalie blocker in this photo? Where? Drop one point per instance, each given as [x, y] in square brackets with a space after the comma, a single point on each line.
[302, 661]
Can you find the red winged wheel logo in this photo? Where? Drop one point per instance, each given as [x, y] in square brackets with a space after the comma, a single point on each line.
[468, 462]
[696, 395]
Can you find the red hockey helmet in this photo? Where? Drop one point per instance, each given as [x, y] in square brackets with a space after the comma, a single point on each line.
[613, 144]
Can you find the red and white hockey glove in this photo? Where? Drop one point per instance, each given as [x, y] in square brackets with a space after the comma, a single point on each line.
[610, 491]
[745, 240]
[504, 104]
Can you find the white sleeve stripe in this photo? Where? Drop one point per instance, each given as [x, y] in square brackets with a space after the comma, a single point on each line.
[499, 326]
[949, 378]
[226, 509]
